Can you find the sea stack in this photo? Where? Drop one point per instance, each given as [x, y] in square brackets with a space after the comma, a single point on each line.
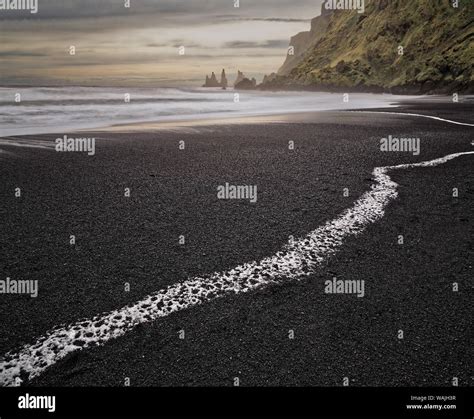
[240, 77]
[246, 84]
[211, 81]
[224, 82]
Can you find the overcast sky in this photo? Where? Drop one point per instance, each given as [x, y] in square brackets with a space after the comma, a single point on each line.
[139, 45]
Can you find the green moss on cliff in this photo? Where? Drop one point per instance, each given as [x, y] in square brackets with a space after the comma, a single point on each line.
[361, 51]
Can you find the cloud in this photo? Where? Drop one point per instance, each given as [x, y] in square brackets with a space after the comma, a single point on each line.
[275, 19]
[79, 9]
[113, 42]
[157, 45]
[17, 53]
[176, 43]
[238, 18]
[276, 43]
[271, 43]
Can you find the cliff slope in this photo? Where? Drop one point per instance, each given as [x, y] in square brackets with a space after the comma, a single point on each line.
[361, 51]
[304, 41]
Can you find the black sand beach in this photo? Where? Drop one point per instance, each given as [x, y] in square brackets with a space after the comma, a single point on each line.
[173, 192]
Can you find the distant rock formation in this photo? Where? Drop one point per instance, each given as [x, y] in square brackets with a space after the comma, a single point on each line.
[246, 84]
[224, 82]
[269, 78]
[240, 77]
[212, 81]
[241, 81]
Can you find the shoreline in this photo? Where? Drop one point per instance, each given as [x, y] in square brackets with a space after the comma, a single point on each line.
[135, 240]
[287, 117]
[260, 105]
[399, 91]
[425, 106]
[413, 90]
[195, 121]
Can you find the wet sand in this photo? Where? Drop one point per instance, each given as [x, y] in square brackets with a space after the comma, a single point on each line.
[135, 241]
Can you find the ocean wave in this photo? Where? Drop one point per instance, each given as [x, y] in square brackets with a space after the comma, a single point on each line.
[62, 109]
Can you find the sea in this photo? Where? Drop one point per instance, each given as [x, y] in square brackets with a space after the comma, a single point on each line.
[42, 110]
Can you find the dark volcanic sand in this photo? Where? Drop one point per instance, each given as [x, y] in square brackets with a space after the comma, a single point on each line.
[135, 240]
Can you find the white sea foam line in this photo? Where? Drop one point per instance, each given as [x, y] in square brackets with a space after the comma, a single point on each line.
[297, 259]
[420, 115]
[28, 143]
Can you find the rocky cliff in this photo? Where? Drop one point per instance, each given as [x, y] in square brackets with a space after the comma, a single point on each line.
[303, 42]
[402, 46]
